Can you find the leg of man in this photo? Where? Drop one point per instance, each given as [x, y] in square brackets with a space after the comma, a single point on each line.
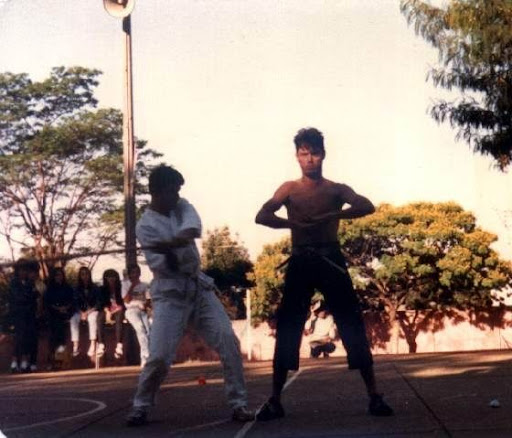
[291, 318]
[171, 310]
[213, 324]
[344, 305]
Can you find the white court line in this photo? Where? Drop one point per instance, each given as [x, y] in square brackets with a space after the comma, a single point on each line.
[198, 427]
[99, 407]
[247, 426]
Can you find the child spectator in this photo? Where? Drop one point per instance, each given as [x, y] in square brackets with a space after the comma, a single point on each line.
[136, 299]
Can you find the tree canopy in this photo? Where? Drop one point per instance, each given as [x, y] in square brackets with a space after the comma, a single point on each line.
[227, 261]
[422, 256]
[61, 169]
[474, 40]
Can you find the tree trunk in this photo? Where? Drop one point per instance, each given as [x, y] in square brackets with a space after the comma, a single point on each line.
[395, 330]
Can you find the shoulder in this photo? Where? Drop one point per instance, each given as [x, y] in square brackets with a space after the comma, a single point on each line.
[344, 191]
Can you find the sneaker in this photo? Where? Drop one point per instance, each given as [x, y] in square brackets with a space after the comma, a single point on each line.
[379, 407]
[242, 414]
[14, 367]
[33, 368]
[60, 349]
[137, 417]
[271, 410]
[100, 351]
[92, 347]
[25, 368]
[118, 354]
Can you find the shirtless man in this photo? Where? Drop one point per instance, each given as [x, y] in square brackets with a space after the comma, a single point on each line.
[314, 205]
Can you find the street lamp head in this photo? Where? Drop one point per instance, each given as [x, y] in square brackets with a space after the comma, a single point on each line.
[119, 8]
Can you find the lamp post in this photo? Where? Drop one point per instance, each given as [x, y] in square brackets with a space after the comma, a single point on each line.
[123, 9]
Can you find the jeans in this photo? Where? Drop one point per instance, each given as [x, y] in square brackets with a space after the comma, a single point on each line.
[92, 322]
[138, 318]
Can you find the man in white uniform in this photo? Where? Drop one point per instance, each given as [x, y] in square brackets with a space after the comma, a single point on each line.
[179, 292]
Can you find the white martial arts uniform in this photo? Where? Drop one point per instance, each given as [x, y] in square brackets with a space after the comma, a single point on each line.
[180, 295]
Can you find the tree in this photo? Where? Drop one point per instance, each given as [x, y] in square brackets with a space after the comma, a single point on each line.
[227, 261]
[419, 257]
[268, 280]
[474, 40]
[61, 171]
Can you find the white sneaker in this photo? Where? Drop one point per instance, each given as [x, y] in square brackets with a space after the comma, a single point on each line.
[60, 349]
[92, 347]
[100, 351]
[33, 368]
[24, 366]
[119, 351]
[14, 367]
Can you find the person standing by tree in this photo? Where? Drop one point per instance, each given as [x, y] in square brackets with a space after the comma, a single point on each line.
[314, 205]
[181, 292]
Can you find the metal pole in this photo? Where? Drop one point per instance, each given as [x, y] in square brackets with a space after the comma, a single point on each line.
[248, 319]
[129, 150]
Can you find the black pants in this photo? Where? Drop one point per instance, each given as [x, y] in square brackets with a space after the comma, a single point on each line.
[59, 328]
[118, 322]
[25, 335]
[305, 273]
[321, 348]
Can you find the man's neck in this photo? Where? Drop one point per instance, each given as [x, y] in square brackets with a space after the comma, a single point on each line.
[312, 180]
[159, 208]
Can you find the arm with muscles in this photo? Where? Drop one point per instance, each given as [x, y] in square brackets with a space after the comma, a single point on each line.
[267, 214]
[359, 206]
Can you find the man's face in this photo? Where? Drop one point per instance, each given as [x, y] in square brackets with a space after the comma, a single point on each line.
[310, 160]
[170, 196]
[134, 274]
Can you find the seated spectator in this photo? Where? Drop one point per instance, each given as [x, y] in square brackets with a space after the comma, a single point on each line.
[87, 303]
[322, 331]
[111, 307]
[23, 303]
[136, 300]
[59, 307]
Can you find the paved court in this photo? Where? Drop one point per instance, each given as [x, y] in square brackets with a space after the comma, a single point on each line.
[434, 395]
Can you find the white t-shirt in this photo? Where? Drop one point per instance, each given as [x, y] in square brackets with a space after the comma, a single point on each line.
[140, 294]
[323, 328]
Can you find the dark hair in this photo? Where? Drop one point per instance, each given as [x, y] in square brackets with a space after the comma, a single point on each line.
[162, 177]
[29, 265]
[312, 137]
[53, 273]
[117, 291]
[133, 266]
[80, 283]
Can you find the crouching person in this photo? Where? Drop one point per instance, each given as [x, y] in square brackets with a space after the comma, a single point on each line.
[181, 292]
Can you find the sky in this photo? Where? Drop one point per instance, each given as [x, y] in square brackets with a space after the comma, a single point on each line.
[222, 86]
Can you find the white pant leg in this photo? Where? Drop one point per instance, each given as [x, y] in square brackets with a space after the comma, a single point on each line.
[171, 310]
[92, 322]
[214, 325]
[74, 326]
[135, 317]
